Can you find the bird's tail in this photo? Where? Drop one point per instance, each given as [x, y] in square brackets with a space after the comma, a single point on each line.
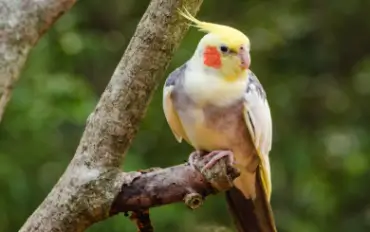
[251, 215]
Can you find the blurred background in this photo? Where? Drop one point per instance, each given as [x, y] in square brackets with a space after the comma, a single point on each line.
[313, 59]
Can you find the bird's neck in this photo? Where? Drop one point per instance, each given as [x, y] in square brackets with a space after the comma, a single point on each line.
[205, 86]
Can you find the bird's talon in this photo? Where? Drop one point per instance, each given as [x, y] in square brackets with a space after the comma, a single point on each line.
[216, 156]
[213, 157]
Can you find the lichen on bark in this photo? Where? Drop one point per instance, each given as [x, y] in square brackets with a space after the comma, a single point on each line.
[22, 23]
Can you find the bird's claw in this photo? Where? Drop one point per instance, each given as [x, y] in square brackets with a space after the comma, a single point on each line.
[213, 158]
[216, 156]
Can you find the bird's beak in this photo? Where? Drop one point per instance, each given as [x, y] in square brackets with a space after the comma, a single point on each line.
[244, 59]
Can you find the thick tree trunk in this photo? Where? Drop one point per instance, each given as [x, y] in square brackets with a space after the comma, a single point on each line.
[22, 23]
[93, 180]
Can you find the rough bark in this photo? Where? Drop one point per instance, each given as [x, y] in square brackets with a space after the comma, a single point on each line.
[87, 189]
[161, 187]
[175, 184]
[22, 23]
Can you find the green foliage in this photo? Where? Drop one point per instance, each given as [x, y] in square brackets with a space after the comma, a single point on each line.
[312, 58]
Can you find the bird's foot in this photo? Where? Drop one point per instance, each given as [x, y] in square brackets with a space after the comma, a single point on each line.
[216, 155]
[213, 158]
[219, 174]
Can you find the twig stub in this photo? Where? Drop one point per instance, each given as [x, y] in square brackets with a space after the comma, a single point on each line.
[142, 220]
[193, 200]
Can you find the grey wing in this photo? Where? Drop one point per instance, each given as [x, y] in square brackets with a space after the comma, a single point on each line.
[258, 119]
[172, 81]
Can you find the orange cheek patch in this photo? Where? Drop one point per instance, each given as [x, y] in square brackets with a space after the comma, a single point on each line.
[211, 57]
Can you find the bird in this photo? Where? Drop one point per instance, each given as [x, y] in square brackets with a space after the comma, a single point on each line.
[217, 104]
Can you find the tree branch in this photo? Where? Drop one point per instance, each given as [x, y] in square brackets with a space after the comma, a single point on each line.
[162, 187]
[174, 184]
[87, 189]
[22, 23]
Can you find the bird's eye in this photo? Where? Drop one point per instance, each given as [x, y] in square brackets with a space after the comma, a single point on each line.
[224, 48]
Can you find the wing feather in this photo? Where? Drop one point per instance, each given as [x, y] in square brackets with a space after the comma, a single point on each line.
[168, 107]
[258, 119]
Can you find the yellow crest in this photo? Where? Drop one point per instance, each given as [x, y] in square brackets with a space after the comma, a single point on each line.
[229, 35]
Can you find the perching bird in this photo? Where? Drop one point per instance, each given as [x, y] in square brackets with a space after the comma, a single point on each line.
[217, 104]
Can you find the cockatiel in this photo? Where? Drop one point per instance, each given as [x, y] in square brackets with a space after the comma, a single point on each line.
[217, 104]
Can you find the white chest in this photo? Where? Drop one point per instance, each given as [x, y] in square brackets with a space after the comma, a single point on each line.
[205, 88]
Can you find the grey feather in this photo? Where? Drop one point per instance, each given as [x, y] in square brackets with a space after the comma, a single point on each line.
[255, 85]
[175, 76]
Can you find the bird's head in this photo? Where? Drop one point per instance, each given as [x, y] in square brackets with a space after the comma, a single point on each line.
[223, 49]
